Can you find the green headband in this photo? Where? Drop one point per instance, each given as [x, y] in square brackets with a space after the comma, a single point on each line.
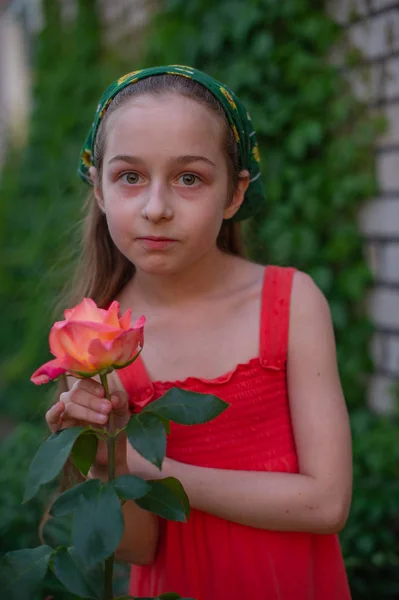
[236, 113]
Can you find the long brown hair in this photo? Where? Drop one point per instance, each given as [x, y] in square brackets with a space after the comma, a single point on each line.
[102, 270]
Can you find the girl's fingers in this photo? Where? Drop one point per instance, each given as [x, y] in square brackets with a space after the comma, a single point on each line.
[87, 399]
[54, 416]
[82, 413]
[90, 386]
[120, 403]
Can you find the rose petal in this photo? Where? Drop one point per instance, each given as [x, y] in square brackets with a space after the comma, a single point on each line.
[91, 339]
[117, 352]
[112, 316]
[64, 342]
[50, 370]
[139, 324]
[88, 310]
[126, 319]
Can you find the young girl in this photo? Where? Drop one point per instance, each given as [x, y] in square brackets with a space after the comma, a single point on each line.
[174, 165]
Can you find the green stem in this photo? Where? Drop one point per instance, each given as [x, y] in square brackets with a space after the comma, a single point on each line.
[111, 440]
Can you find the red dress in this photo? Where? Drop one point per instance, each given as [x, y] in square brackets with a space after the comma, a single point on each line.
[210, 558]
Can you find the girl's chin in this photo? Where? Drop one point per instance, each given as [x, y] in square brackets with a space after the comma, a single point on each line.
[158, 265]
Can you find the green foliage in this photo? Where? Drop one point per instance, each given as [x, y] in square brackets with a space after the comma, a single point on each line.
[129, 487]
[186, 409]
[41, 198]
[86, 567]
[147, 430]
[19, 525]
[84, 451]
[166, 499]
[22, 572]
[370, 538]
[141, 431]
[78, 579]
[50, 459]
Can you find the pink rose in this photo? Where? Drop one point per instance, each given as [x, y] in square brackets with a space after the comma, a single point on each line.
[91, 340]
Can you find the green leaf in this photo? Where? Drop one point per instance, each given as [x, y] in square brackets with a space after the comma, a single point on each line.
[130, 487]
[186, 408]
[78, 579]
[57, 532]
[69, 501]
[22, 572]
[84, 451]
[50, 459]
[147, 435]
[167, 499]
[97, 525]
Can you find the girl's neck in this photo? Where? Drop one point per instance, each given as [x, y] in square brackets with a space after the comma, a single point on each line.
[202, 278]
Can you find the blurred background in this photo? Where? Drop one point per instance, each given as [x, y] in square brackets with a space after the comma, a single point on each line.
[321, 80]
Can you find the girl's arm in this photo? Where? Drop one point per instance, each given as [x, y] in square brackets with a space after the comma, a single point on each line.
[318, 498]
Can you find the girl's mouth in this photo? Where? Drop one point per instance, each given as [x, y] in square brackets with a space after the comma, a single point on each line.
[156, 243]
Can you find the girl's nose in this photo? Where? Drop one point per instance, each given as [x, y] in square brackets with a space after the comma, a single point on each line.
[157, 207]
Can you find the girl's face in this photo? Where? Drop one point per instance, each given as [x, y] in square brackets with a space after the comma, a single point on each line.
[164, 187]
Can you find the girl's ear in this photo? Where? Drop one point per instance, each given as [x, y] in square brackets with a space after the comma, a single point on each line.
[94, 176]
[238, 196]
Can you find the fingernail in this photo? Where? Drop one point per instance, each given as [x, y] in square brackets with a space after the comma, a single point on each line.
[114, 398]
[101, 418]
[104, 407]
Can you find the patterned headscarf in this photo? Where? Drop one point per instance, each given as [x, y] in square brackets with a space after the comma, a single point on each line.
[236, 113]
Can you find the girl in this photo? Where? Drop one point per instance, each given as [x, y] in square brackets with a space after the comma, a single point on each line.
[174, 165]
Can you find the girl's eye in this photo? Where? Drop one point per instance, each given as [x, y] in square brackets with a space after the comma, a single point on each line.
[131, 178]
[188, 179]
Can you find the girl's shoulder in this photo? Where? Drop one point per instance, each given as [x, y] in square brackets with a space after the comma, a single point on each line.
[307, 299]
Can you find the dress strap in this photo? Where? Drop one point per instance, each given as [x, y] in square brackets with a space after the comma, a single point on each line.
[275, 316]
[137, 384]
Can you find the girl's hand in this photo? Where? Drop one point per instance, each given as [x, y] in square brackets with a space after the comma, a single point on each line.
[84, 405]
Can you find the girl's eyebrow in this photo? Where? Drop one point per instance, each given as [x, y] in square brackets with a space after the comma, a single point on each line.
[181, 160]
[126, 158]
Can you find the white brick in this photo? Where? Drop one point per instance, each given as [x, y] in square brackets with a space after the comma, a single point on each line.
[393, 354]
[377, 36]
[388, 264]
[380, 4]
[384, 308]
[380, 394]
[391, 87]
[373, 82]
[380, 217]
[378, 349]
[391, 114]
[365, 82]
[69, 10]
[373, 257]
[343, 10]
[388, 172]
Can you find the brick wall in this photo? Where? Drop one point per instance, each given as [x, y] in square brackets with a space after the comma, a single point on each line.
[372, 26]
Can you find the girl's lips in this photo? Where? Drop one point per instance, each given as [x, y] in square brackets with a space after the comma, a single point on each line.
[156, 243]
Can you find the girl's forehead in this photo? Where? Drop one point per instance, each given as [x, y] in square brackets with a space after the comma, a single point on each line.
[146, 120]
